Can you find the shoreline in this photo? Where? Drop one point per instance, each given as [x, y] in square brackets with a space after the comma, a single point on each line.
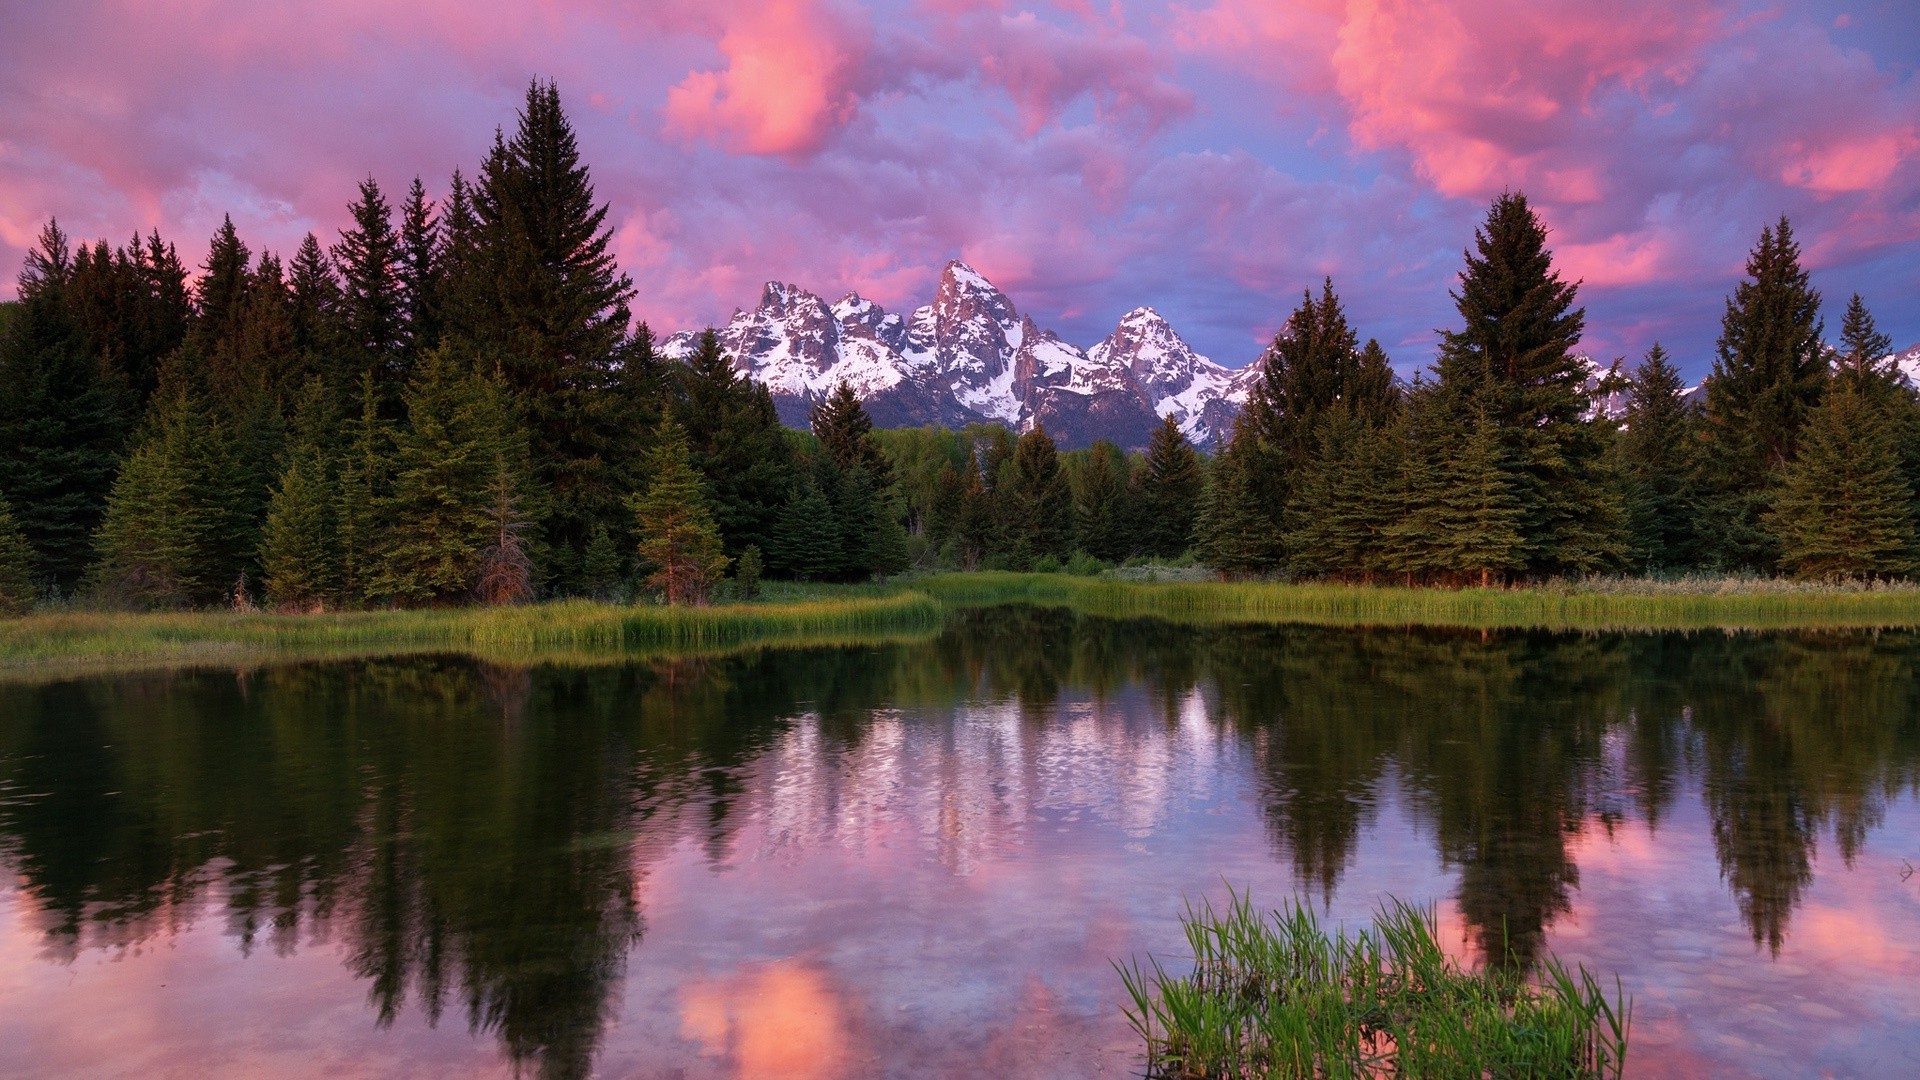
[81, 642]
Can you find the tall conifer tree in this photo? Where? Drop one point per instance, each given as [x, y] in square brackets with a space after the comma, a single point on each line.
[1170, 488]
[1657, 468]
[1099, 503]
[1843, 509]
[1036, 506]
[17, 591]
[680, 543]
[59, 422]
[1767, 376]
[545, 305]
[1512, 362]
[373, 298]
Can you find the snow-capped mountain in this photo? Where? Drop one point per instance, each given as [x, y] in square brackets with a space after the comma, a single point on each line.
[971, 357]
[1907, 362]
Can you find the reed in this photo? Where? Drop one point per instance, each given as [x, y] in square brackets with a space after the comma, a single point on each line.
[572, 628]
[1276, 995]
[1599, 604]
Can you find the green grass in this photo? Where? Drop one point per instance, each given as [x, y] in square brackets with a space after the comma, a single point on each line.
[572, 629]
[824, 614]
[1275, 995]
[1600, 604]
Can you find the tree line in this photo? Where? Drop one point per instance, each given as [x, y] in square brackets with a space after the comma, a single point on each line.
[451, 402]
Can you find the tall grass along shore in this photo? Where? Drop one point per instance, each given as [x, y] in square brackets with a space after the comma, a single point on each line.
[1275, 995]
[571, 628]
[799, 615]
[1596, 604]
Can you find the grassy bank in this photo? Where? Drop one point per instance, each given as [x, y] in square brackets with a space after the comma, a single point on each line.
[1276, 995]
[1605, 604]
[571, 629]
[802, 614]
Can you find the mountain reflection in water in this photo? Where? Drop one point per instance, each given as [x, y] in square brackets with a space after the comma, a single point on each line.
[918, 858]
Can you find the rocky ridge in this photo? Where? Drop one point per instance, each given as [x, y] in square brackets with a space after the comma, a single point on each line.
[971, 357]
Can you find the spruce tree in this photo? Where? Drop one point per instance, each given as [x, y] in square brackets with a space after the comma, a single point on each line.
[1843, 509]
[975, 533]
[221, 294]
[680, 542]
[1235, 536]
[1036, 506]
[1307, 370]
[1099, 503]
[943, 510]
[420, 271]
[17, 592]
[846, 433]
[1656, 467]
[299, 545]
[1170, 487]
[1478, 514]
[1512, 361]
[59, 422]
[152, 539]
[737, 444]
[373, 297]
[603, 568]
[365, 487]
[541, 300]
[805, 546]
[448, 463]
[1767, 376]
[1864, 361]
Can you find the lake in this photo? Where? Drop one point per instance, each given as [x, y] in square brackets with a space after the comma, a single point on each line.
[922, 858]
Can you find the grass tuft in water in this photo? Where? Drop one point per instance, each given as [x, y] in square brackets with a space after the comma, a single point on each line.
[1275, 995]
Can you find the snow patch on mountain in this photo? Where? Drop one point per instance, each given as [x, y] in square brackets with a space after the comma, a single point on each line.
[970, 356]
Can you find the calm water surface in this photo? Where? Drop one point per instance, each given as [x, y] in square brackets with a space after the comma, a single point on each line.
[919, 859]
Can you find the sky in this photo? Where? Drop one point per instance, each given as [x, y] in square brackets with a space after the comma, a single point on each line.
[1210, 158]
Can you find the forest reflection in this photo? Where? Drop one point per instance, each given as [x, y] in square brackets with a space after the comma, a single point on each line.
[477, 837]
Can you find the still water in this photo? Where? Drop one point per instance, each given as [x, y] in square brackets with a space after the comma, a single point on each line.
[919, 859]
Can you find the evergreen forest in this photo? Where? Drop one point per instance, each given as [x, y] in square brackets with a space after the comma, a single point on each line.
[451, 403]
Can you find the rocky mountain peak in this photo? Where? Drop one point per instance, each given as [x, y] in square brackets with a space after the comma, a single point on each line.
[970, 356]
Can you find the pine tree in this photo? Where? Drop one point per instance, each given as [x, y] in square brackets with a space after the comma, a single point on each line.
[846, 433]
[1767, 376]
[299, 545]
[1479, 513]
[506, 562]
[1844, 510]
[420, 270]
[365, 488]
[974, 534]
[59, 422]
[451, 467]
[1512, 360]
[1099, 498]
[373, 298]
[1307, 370]
[679, 540]
[805, 545]
[540, 299]
[221, 295]
[1170, 487]
[1036, 508]
[737, 444]
[152, 539]
[1865, 358]
[17, 592]
[603, 568]
[747, 572]
[944, 509]
[1235, 536]
[1656, 468]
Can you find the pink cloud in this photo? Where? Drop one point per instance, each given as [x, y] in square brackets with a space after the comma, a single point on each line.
[788, 84]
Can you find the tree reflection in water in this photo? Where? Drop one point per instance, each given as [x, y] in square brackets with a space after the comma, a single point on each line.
[476, 836]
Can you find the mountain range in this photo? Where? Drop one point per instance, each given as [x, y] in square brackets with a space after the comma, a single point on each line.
[971, 357]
